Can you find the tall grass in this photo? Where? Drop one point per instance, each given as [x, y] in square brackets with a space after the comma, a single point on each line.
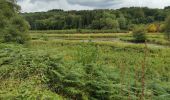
[74, 31]
[82, 71]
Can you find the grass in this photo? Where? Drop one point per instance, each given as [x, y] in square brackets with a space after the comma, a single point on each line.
[114, 55]
[50, 68]
[84, 36]
[20, 75]
[75, 31]
[152, 38]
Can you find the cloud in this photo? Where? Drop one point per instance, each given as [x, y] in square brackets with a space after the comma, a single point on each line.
[147, 3]
[95, 3]
[44, 5]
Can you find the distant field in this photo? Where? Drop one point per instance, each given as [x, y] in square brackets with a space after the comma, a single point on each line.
[75, 31]
[153, 38]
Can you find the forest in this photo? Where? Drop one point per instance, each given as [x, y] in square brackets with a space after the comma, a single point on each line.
[101, 19]
[101, 54]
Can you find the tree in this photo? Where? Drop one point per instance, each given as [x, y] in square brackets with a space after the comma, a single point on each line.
[122, 22]
[13, 27]
[96, 24]
[115, 25]
[95, 19]
[167, 28]
[139, 35]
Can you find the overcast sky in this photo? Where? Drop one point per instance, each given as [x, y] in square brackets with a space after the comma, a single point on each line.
[44, 5]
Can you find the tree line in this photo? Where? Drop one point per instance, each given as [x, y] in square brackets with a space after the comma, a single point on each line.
[100, 19]
[14, 27]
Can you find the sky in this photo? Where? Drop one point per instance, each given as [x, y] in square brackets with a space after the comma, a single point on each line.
[45, 5]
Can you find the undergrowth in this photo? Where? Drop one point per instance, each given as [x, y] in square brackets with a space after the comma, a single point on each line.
[82, 72]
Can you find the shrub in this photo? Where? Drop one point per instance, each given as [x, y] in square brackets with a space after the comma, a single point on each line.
[19, 23]
[152, 28]
[139, 35]
[82, 79]
[79, 31]
[3, 22]
[17, 31]
[12, 34]
[94, 80]
[162, 28]
[122, 23]
[167, 28]
[13, 27]
[87, 53]
[78, 82]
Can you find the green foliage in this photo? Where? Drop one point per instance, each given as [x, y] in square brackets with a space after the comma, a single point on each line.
[94, 70]
[13, 26]
[12, 34]
[83, 71]
[21, 74]
[167, 29]
[87, 54]
[162, 28]
[139, 35]
[122, 23]
[105, 23]
[20, 24]
[94, 19]
[79, 81]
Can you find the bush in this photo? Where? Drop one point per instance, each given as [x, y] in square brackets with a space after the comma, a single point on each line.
[13, 27]
[19, 23]
[78, 82]
[33, 71]
[87, 53]
[139, 35]
[162, 28]
[79, 31]
[152, 28]
[82, 79]
[167, 28]
[17, 31]
[14, 35]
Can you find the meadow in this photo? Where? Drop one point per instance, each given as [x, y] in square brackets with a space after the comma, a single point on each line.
[102, 54]
[152, 38]
[107, 66]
